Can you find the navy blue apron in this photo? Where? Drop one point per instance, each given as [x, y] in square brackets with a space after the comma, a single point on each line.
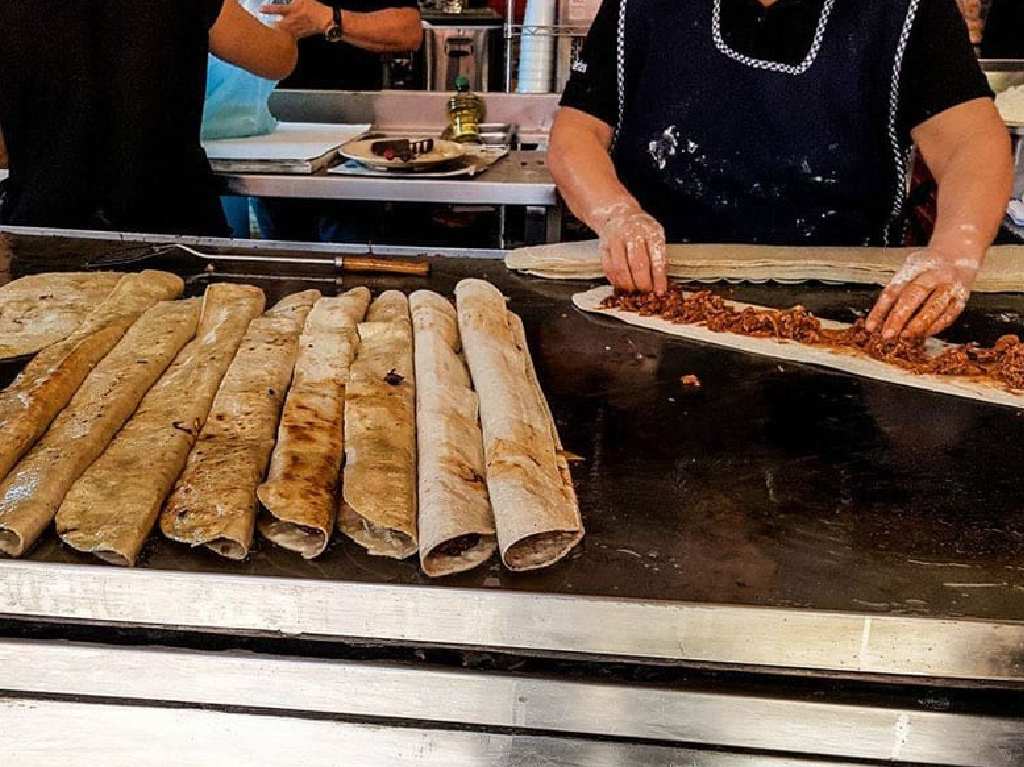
[721, 147]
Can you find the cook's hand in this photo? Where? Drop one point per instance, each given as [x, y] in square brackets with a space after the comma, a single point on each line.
[301, 18]
[926, 296]
[632, 249]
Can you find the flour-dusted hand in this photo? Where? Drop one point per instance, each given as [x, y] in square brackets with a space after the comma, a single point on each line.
[632, 248]
[301, 18]
[926, 296]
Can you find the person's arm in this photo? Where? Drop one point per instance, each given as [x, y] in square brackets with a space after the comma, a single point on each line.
[632, 242]
[241, 39]
[967, 149]
[946, 109]
[389, 30]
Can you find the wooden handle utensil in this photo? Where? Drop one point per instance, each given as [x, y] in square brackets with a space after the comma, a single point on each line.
[382, 265]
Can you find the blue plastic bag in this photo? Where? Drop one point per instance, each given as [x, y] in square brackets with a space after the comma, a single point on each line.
[236, 100]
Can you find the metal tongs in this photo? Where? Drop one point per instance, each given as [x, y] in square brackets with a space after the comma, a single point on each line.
[401, 148]
[182, 256]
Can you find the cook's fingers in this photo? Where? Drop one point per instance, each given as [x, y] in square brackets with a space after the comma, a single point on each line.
[622, 266]
[909, 301]
[659, 267]
[608, 266]
[883, 305]
[948, 317]
[639, 263]
[613, 260]
[932, 309]
[277, 10]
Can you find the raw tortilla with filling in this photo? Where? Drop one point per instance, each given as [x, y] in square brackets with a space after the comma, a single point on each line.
[845, 359]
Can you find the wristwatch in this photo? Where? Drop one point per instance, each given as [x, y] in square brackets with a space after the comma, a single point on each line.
[333, 33]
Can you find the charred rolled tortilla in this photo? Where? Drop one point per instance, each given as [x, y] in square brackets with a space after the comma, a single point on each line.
[299, 496]
[35, 488]
[378, 505]
[112, 507]
[213, 503]
[48, 382]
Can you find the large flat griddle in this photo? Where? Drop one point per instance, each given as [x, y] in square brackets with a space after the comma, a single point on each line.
[881, 527]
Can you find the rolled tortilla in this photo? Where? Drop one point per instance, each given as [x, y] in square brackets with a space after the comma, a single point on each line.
[456, 524]
[113, 506]
[535, 509]
[388, 306]
[34, 490]
[299, 496]
[42, 309]
[214, 501]
[46, 385]
[378, 507]
[1002, 272]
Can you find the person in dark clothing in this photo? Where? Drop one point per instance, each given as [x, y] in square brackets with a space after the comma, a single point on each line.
[342, 40]
[101, 105]
[784, 122]
[340, 48]
[1004, 31]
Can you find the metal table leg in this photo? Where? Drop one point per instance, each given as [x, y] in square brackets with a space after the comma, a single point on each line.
[543, 224]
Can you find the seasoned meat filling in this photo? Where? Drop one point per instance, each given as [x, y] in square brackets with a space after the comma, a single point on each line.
[1003, 362]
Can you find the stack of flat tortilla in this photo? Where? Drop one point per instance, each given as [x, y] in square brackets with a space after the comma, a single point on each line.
[535, 508]
[113, 506]
[42, 309]
[456, 524]
[378, 507]
[214, 502]
[33, 491]
[300, 492]
[1003, 271]
[49, 381]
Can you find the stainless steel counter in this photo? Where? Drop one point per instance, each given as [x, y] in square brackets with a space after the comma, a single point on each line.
[522, 178]
[790, 563]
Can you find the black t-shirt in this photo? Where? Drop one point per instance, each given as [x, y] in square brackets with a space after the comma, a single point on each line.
[940, 69]
[340, 66]
[101, 105]
[1004, 31]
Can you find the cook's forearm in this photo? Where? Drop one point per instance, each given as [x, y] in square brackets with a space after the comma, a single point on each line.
[582, 168]
[967, 149]
[974, 189]
[393, 30]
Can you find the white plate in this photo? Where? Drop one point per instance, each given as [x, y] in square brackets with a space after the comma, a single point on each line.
[444, 151]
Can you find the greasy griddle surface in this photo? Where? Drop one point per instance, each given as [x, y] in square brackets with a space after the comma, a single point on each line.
[775, 484]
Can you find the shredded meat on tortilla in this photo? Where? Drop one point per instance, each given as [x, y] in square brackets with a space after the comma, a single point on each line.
[1003, 362]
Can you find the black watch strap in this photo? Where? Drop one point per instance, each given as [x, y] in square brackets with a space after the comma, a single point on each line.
[334, 32]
